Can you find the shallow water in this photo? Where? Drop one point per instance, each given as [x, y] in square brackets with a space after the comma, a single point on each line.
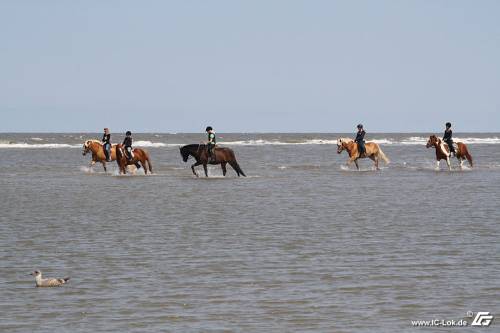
[302, 244]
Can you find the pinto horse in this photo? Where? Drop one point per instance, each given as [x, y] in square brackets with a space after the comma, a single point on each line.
[373, 152]
[443, 151]
[200, 154]
[139, 156]
[97, 150]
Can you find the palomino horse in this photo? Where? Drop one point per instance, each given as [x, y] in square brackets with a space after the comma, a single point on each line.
[373, 151]
[139, 156]
[443, 152]
[200, 154]
[97, 150]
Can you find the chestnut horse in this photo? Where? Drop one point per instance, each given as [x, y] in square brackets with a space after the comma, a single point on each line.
[373, 152]
[95, 146]
[200, 154]
[139, 156]
[443, 151]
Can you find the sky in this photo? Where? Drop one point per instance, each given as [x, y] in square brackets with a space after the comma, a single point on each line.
[249, 66]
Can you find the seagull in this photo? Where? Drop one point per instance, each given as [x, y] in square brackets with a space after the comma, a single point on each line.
[50, 282]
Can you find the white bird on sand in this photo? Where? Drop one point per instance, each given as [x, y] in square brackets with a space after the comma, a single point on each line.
[50, 282]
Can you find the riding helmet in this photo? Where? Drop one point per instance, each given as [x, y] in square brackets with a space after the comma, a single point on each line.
[360, 125]
[448, 124]
[128, 133]
[209, 128]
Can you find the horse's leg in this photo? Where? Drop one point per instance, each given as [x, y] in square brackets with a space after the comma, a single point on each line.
[461, 163]
[437, 165]
[356, 162]
[223, 166]
[375, 161]
[192, 168]
[448, 163]
[205, 169]
[104, 166]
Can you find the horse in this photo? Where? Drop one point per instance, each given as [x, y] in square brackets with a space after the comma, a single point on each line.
[200, 154]
[97, 150]
[139, 156]
[443, 152]
[373, 152]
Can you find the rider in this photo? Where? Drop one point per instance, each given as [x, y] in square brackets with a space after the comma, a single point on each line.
[360, 139]
[127, 142]
[447, 138]
[210, 143]
[106, 143]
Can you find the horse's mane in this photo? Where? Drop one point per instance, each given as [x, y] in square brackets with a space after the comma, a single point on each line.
[346, 140]
[93, 140]
[193, 145]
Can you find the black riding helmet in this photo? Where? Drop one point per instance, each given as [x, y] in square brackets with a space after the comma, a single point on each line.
[128, 133]
[209, 128]
[360, 126]
[448, 125]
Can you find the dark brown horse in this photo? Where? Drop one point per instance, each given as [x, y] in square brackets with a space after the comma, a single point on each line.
[443, 151]
[139, 156]
[223, 156]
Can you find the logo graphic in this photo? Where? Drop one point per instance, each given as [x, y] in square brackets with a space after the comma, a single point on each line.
[482, 319]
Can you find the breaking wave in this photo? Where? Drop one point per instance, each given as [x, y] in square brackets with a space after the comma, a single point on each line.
[412, 140]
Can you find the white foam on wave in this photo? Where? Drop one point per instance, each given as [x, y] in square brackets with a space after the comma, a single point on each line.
[152, 144]
[260, 142]
[413, 140]
[38, 145]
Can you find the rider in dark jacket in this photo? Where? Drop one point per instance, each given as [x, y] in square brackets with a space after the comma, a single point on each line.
[211, 143]
[360, 140]
[447, 137]
[127, 143]
[106, 144]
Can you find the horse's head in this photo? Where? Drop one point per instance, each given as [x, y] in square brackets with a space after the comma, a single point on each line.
[433, 141]
[342, 144]
[184, 153]
[86, 147]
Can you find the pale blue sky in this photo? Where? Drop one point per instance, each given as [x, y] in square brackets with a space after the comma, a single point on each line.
[253, 66]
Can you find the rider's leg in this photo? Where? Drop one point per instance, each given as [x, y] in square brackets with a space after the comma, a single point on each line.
[361, 148]
[210, 153]
[452, 149]
[108, 150]
[105, 148]
[129, 153]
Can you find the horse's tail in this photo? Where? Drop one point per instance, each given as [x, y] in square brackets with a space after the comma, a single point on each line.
[150, 166]
[235, 164]
[467, 154]
[382, 156]
[238, 169]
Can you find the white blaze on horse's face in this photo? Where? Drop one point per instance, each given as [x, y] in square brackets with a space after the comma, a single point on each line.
[85, 148]
[339, 146]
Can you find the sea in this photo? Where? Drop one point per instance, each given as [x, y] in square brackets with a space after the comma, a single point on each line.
[304, 243]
